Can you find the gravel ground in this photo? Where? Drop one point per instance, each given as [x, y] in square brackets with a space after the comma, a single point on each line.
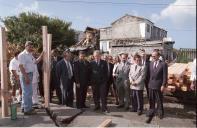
[176, 115]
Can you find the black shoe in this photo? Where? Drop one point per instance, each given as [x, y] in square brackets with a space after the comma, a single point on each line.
[70, 105]
[96, 108]
[132, 110]
[127, 108]
[31, 112]
[120, 106]
[78, 107]
[149, 119]
[139, 112]
[105, 111]
[84, 106]
[117, 103]
[160, 116]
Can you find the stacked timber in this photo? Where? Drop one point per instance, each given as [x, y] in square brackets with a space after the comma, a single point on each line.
[179, 76]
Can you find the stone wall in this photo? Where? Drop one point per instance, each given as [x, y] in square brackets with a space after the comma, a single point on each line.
[132, 49]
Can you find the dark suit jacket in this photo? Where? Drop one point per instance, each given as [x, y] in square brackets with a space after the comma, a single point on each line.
[62, 74]
[147, 63]
[110, 72]
[53, 70]
[158, 76]
[82, 72]
[98, 72]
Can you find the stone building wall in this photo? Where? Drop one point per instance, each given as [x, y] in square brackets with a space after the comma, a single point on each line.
[132, 49]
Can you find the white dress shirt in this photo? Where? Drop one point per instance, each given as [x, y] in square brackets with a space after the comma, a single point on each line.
[14, 65]
[27, 60]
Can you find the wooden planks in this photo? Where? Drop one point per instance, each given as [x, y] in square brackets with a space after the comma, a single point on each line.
[105, 123]
[4, 81]
[178, 76]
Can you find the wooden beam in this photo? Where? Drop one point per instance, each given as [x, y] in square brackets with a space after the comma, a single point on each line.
[105, 123]
[45, 67]
[4, 81]
[49, 40]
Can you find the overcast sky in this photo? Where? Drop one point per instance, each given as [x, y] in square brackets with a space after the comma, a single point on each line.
[178, 17]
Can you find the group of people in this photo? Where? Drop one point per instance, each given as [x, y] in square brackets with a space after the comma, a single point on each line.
[24, 78]
[124, 77]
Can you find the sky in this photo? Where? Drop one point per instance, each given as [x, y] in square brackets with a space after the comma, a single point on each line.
[178, 17]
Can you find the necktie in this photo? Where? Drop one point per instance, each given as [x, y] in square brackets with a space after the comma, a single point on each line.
[69, 70]
[97, 62]
[135, 67]
[143, 62]
[155, 65]
[108, 69]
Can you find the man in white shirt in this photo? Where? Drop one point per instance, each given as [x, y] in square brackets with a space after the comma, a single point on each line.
[27, 67]
[14, 77]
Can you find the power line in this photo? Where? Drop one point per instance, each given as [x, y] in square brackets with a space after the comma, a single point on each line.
[181, 29]
[117, 3]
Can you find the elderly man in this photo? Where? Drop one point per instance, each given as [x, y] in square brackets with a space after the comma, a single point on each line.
[137, 80]
[64, 73]
[99, 81]
[157, 83]
[122, 79]
[27, 67]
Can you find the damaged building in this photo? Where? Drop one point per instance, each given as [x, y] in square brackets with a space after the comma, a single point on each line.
[131, 33]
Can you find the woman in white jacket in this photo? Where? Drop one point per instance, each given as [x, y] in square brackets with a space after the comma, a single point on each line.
[137, 83]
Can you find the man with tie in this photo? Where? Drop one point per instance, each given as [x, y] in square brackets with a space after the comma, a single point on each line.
[137, 80]
[157, 82]
[99, 81]
[82, 79]
[122, 82]
[64, 73]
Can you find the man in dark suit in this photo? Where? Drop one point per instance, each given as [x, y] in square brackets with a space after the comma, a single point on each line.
[157, 82]
[110, 67]
[64, 74]
[53, 82]
[99, 81]
[82, 79]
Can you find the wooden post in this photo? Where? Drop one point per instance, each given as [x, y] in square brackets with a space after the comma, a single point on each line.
[45, 67]
[49, 42]
[4, 82]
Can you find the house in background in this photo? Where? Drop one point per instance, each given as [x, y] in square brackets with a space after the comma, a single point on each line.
[131, 33]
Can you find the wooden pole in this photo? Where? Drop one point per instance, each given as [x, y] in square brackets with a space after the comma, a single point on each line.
[4, 82]
[49, 39]
[45, 67]
[48, 65]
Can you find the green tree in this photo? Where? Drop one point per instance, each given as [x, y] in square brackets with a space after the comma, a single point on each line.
[27, 26]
